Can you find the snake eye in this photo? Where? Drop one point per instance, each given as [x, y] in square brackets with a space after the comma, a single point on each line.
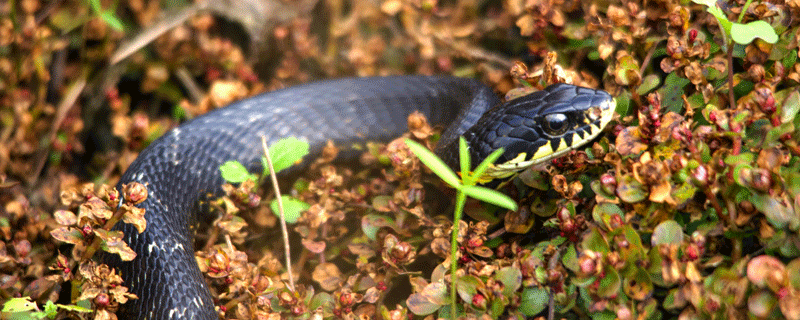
[555, 124]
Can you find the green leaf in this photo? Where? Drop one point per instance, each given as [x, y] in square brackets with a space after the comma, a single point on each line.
[533, 301]
[707, 3]
[610, 283]
[746, 33]
[287, 152]
[484, 165]
[671, 92]
[491, 196]
[649, 83]
[75, 308]
[322, 299]
[95, 4]
[292, 208]
[667, 232]
[50, 309]
[434, 163]
[112, 20]
[605, 315]
[570, 258]
[234, 172]
[742, 158]
[511, 278]
[463, 155]
[791, 105]
[630, 190]
[467, 286]
[595, 241]
[19, 304]
[721, 18]
[371, 223]
[623, 104]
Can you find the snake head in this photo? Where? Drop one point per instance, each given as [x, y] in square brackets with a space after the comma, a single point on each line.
[539, 127]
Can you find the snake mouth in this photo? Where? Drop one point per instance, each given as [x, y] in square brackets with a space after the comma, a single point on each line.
[597, 117]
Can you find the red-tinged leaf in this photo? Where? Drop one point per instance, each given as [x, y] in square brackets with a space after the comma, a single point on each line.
[68, 234]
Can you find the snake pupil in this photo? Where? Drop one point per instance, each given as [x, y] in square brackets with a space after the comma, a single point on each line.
[555, 124]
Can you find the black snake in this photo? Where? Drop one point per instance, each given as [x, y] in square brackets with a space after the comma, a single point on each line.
[184, 164]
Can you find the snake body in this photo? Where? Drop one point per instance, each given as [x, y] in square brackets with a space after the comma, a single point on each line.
[181, 166]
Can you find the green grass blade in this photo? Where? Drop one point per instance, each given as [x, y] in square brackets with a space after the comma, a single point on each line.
[463, 156]
[434, 163]
[486, 162]
[491, 196]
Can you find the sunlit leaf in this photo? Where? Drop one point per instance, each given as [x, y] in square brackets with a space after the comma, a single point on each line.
[746, 33]
[293, 208]
[287, 152]
[19, 304]
[491, 196]
[463, 155]
[113, 243]
[112, 21]
[235, 172]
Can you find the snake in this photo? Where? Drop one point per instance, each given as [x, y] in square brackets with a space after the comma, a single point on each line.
[183, 166]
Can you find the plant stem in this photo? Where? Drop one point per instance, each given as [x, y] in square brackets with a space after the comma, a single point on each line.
[461, 200]
[744, 9]
[284, 231]
[731, 97]
[97, 241]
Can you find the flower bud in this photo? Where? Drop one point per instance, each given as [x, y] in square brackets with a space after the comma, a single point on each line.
[134, 192]
[609, 183]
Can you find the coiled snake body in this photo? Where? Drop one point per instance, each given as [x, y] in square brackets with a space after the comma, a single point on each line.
[184, 164]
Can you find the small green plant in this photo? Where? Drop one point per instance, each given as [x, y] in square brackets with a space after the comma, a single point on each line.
[24, 308]
[738, 32]
[466, 186]
[284, 153]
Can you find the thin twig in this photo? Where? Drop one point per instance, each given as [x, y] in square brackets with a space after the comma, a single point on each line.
[646, 61]
[284, 231]
[731, 97]
[196, 93]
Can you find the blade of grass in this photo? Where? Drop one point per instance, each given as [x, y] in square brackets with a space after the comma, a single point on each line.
[461, 200]
[491, 196]
[484, 165]
[434, 163]
[463, 155]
